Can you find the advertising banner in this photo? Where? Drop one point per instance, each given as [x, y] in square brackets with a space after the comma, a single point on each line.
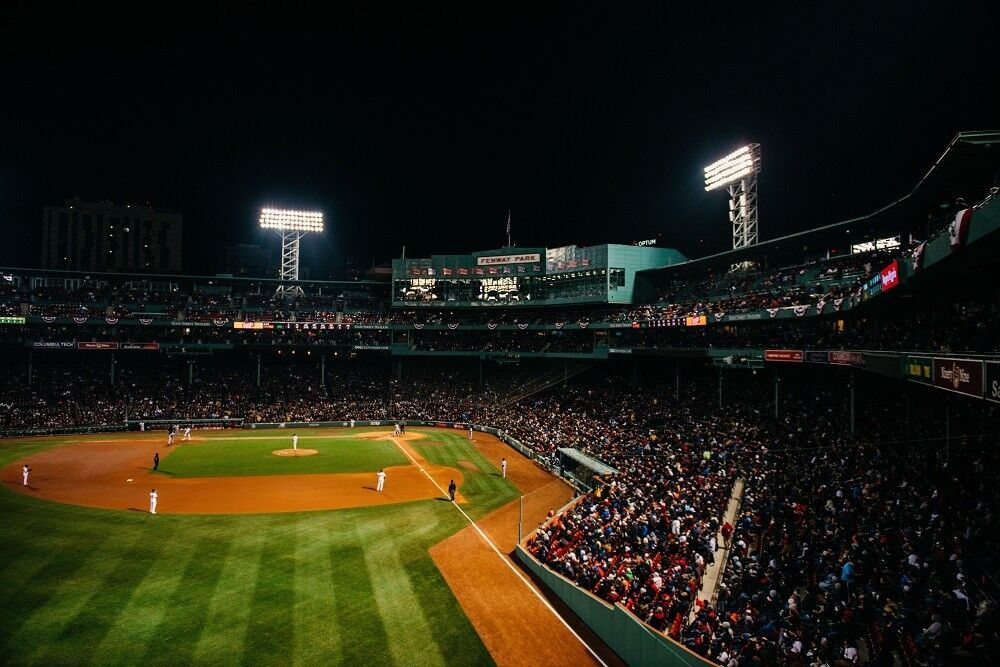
[993, 381]
[890, 276]
[96, 345]
[783, 355]
[696, 320]
[817, 357]
[54, 345]
[845, 358]
[962, 376]
[920, 369]
[140, 346]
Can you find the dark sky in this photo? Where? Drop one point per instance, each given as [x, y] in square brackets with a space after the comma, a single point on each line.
[424, 127]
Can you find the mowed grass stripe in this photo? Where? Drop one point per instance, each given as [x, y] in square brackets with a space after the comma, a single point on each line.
[317, 636]
[449, 627]
[170, 641]
[107, 584]
[89, 628]
[144, 607]
[221, 641]
[356, 614]
[55, 594]
[270, 629]
[410, 639]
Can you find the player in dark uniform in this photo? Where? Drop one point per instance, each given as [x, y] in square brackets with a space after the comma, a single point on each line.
[451, 489]
[156, 461]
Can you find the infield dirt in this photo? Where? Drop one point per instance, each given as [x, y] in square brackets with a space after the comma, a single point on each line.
[95, 474]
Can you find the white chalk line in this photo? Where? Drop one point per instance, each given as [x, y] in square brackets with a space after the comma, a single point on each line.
[505, 560]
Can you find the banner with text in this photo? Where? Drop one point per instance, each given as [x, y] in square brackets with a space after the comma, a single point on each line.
[993, 381]
[783, 355]
[962, 376]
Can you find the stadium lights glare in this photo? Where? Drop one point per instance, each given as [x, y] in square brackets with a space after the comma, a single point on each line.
[737, 165]
[292, 221]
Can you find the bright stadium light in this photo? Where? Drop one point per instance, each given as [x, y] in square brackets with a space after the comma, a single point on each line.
[733, 167]
[292, 225]
[738, 172]
[301, 221]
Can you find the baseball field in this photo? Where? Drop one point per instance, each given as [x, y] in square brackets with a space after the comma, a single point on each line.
[287, 560]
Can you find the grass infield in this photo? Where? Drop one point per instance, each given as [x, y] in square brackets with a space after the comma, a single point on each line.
[355, 586]
[227, 453]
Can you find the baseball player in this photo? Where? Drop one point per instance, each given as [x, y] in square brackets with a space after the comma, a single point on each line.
[352, 423]
[156, 461]
[24, 473]
[170, 437]
[142, 427]
[503, 467]
[295, 441]
[187, 432]
[451, 490]
[380, 480]
[398, 430]
[470, 434]
[152, 501]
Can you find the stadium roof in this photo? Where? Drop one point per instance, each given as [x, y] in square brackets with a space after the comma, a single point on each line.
[598, 467]
[966, 169]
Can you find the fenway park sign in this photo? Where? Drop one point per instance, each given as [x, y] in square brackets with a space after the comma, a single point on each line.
[508, 259]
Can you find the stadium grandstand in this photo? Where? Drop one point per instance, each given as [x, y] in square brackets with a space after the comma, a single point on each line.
[785, 463]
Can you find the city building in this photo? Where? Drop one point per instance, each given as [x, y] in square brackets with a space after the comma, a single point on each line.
[104, 236]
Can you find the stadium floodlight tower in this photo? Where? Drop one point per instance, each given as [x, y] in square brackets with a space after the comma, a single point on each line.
[738, 171]
[292, 225]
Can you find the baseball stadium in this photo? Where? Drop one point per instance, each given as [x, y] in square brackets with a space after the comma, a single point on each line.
[605, 455]
[655, 336]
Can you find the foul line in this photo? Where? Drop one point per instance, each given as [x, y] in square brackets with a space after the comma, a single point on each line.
[504, 558]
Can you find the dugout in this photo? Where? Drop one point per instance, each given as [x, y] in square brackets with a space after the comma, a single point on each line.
[574, 463]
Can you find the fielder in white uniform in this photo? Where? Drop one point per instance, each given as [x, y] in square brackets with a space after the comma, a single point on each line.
[352, 423]
[503, 467]
[24, 473]
[380, 480]
[152, 501]
[470, 433]
[187, 432]
[397, 429]
[170, 438]
[295, 441]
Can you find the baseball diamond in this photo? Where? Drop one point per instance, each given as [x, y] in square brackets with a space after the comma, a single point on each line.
[416, 335]
[228, 559]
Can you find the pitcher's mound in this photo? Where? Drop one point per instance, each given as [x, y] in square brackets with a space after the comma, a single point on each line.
[295, 452]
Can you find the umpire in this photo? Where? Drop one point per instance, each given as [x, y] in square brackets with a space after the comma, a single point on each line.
[451, 490]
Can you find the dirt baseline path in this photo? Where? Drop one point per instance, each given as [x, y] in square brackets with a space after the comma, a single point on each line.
[516, 627]
[95, 474]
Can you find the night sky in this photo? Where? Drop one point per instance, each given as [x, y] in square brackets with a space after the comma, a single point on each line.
[423, 127]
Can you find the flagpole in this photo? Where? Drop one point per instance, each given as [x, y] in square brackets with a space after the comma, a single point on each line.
[508, 228]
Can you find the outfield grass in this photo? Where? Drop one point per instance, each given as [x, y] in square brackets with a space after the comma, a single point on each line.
[226, 453]
[81, 585]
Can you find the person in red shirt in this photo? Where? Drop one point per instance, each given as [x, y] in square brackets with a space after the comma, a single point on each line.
[727, 533]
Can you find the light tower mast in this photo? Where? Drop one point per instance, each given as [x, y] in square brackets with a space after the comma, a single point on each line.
[738, 171]
[292, 225]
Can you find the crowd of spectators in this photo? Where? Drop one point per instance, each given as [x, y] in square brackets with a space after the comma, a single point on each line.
[877, 546]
